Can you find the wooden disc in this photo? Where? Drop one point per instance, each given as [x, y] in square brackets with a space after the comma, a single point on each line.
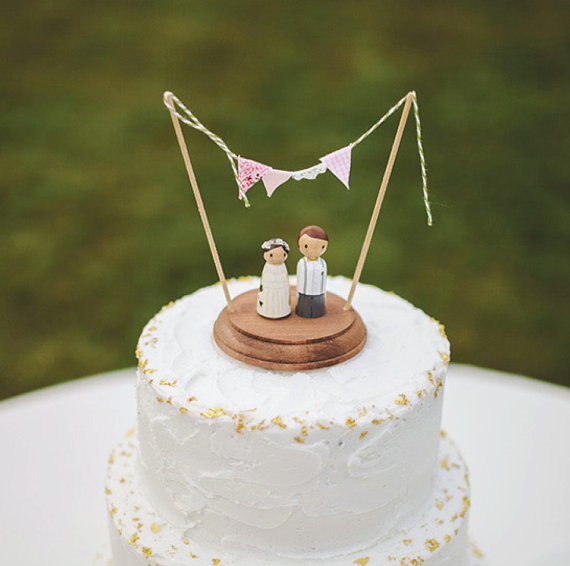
[292, 343]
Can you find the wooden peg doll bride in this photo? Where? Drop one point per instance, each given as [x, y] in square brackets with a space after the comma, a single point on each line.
[273, 300]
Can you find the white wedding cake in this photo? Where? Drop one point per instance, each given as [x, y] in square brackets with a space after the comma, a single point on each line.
[235, 465]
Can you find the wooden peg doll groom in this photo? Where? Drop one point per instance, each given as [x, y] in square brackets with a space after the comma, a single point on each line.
[311, 272]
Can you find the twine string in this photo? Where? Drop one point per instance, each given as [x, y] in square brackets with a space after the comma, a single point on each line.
[385, 117]
[419, 142]
[422, 157]
[190, 119]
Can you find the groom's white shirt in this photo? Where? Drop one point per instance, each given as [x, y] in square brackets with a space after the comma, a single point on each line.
[311, 276]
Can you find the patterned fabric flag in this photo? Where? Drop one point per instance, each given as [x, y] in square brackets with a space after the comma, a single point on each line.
[249, 172]
[274, 178]
[338, 162]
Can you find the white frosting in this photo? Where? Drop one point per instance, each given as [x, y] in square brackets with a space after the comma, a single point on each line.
[290, 465]
[435, 536]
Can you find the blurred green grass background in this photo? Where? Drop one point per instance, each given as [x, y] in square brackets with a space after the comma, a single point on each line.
[99, 228]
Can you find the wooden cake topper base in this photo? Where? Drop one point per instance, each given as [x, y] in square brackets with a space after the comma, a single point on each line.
[292, 343]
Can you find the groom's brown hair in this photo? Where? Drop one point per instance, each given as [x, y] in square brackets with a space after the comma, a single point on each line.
[313, 232]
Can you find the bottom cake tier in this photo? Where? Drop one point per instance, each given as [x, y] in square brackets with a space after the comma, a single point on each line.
[436, 537]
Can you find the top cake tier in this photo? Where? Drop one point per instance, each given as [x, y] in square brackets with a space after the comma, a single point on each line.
[290, 463]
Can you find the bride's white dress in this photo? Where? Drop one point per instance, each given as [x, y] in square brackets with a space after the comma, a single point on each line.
[273, 299]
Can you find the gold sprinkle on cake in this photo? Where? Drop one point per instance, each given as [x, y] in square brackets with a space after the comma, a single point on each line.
[466, 505]
[476, 550]
[432, 544]
[402, 400]
[279, 422]
[350, 422]
[213, 413]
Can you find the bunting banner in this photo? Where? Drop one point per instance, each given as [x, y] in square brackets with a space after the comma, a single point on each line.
[275, 178]
[338, 163]
[248, 172]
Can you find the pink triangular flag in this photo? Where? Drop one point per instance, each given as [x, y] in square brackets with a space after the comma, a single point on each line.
[249, 172]
[274, 179]
[338, 162]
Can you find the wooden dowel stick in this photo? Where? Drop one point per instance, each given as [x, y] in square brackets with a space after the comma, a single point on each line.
[199, 203]
[379, 199]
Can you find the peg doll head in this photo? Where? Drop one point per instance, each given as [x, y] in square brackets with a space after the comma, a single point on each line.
[313, 242]
[275, 251]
